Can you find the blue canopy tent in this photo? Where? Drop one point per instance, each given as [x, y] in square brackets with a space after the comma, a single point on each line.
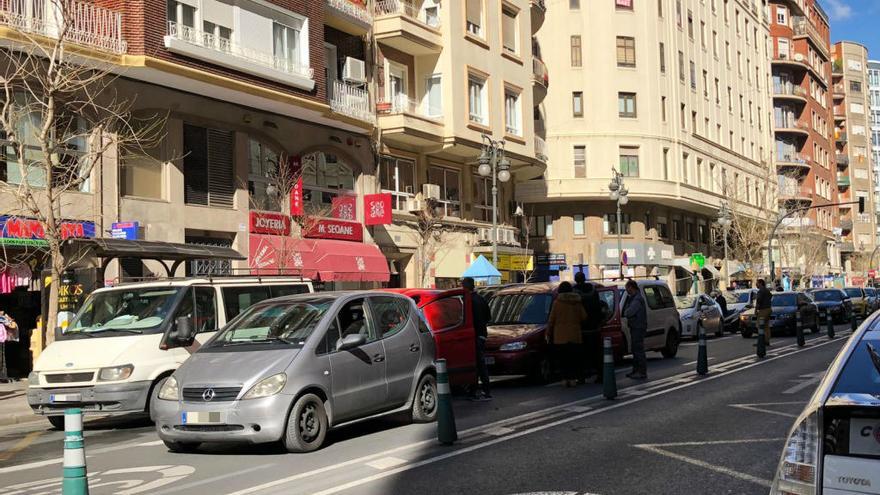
[482, 271]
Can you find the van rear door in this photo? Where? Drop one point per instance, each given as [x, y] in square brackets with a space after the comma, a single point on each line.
[451, 320]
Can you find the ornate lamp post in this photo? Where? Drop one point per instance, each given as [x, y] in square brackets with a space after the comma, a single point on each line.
[620, 195]
[492, 162]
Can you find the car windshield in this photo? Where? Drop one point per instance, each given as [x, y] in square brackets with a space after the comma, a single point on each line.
[289, 323]
[685, 302]
[784, 300]
[123, 311]
[861, 373]
[527, 309]
[827, 295]
[853, 292]
[743, 297]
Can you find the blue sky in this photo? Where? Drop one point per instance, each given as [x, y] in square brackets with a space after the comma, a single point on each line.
[855, 20]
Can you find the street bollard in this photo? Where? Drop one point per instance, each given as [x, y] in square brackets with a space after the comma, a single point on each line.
[799, 329]
[854, 322]
[830, 321]
[761, 344]
[702, 352]
[446, 432]
[609, 380]
[75, 480]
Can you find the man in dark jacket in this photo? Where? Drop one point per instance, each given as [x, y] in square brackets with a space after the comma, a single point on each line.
[637, 321]
[481, 316]
[592, 336]
[763, 309]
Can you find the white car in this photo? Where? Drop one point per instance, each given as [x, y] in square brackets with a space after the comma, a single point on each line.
[834, 447]
[699, 308]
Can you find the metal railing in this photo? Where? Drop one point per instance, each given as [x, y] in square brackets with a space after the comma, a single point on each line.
[406, 9]
[843, 181]
[842, 159]
[79, 22]
[793, 158]
[539, 70]
[802, 27]
[402, 104]
[540, 149]
[352, 101]
[789, 89]
[841, 137]
[209, 40]
[790, 123]
[357, 10]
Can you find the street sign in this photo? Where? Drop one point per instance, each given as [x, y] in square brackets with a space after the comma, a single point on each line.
[698, 260]
[624, 258]
[872, 273]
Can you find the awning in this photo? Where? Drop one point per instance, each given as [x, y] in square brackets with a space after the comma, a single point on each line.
[153, 250]
[481, 268]
[714, 271]
[684, 264]
[343, 261]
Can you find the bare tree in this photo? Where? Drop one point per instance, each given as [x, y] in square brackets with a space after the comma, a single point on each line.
[431, 232]
[807, 249]
[60, 116]
[526, 251]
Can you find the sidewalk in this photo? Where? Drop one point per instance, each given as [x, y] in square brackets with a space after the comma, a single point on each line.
[14, 408]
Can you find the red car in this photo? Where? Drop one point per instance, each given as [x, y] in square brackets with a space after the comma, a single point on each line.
[517, 345]
[450, 317]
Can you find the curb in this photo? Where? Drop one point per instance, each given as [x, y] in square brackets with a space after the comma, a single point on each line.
[17, 418]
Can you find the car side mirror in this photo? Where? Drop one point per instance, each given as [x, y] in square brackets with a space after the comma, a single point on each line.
[181, 333]
[351, 341]
[58, 333]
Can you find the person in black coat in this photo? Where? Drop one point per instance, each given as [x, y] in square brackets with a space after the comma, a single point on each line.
[481, 317]
[596, 311]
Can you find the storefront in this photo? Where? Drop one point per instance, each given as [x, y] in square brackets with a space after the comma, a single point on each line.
[642, 259]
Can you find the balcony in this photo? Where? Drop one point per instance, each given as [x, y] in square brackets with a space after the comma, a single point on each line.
[539, 12]
[843, 181]
[401, 25]
[839, 113]
[540, 80]
[839, 91]
[789, 192]
[841, 137]
[351, 101]
[837, 68]
[790, 92]
[804, 29]
[540, 149]
[407, 121]
[842, 160]
[847, 247]
[86, 24]
[793, 160]
[791, 126]
[350, 16]
[191, 42]
[846, 225]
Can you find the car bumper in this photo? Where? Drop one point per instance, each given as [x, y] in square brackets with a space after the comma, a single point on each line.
[249, 421]
[512, 362]
[117, 398]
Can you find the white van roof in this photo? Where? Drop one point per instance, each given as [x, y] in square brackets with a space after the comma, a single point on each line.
[220, 280]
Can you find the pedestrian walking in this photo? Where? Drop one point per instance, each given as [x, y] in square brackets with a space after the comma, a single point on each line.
[481, 315]
[591, 329]
[637, 321]
[8, 333]
[763, 309]
[564, 331]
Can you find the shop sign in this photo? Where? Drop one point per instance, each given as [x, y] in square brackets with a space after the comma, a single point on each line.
[872, 273]
[344, 207]
[264, 222]
[29, 232]
[697, 260]
[377, 209]
[336, 229]
[550, 259]
[515, 262]
[296, 198]
[124, 230]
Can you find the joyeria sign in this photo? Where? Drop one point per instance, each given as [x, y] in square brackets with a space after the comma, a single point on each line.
[269, 223]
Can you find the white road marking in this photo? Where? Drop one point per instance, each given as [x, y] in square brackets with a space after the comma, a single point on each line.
[711, 467]
[386, 462]
[499, 431]
[90, 453]
[578, 409]
[212, 479]
[150, 444]
[709, 442]
[757, 408]
[694, 362]
[811, 379]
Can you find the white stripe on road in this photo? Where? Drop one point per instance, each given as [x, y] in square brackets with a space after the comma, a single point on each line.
[91, 453]
[708, 442]
[755, 408]
[711, 467]
[386, 462]
[694, 362]
[212, 479]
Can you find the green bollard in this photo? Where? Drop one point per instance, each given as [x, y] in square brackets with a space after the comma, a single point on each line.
[609, 380]
[830, 321]
[75, 479]
[761, 344]
[702, 352]
[799, 329]
[854, 322]
[446, 432]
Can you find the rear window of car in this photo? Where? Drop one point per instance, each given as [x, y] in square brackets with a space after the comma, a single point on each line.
[528, 309]
[827, 295]
[784, 300]
[861, 373]
[743, 297]
[854, 292]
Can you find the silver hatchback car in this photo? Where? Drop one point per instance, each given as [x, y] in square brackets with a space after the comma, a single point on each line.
[292, 368]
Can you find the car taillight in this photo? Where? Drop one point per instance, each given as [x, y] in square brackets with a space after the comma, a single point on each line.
[797, 469]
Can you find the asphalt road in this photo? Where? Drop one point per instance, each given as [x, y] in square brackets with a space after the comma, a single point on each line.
[676, 433]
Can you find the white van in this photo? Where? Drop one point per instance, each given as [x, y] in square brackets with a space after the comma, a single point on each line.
[111, 357]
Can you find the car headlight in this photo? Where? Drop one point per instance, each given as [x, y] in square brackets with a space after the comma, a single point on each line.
[169, 390]
[513, 346]
[267, 387]
[34, 378]
[115, 373]
[786, 316]
[797, 468]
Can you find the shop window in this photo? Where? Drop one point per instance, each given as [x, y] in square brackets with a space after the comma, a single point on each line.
[208, 172]
[450, 196]
[263, 172]
[397, 176]
[325, 176]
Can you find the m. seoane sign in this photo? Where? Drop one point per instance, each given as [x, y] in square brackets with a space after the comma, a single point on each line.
[269, 223]
[336, 229]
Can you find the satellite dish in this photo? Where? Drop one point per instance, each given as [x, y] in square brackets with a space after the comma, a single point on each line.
[799, 57]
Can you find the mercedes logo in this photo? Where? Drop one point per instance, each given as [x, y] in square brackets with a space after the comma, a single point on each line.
[208, 395]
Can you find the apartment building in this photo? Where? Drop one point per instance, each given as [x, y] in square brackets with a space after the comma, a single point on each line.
[874, 101]
[673, 94]
[803, 123]
[852, 123]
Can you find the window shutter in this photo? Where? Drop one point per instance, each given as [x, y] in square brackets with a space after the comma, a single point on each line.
[221, 173]
[195, 165]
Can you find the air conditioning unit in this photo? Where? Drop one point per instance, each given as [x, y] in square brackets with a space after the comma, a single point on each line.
[431, 191]
[510, 237]
[354, 71]
[485, 234]
[414, 205]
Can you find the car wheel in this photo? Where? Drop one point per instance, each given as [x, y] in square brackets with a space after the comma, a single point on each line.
[306, 425]
[543, 371]
[154, 390]
[671, 348]
[424, 408]
[57, 422]
[182, 447]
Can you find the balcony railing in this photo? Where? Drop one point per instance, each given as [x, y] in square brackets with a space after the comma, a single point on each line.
[82, 23]
[356, 9]
[789, 89]
[847, 247]
[402, 104]
[216, 43]
[539, 70]
[406, 9]
[352, 101]
[540, 149]
[802, 27]
[841, 137]
[792, 124]
[839, 89]
[843, 181]
[793, 158]
[842, 159]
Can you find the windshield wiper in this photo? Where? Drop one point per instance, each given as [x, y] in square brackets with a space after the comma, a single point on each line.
[111, 329]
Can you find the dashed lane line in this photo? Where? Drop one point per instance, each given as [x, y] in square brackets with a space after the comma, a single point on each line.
[757, 408]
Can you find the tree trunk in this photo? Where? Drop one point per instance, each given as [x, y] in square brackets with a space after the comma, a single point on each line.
[52, 314]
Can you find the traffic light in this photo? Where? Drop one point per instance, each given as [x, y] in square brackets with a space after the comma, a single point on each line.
[861, 204]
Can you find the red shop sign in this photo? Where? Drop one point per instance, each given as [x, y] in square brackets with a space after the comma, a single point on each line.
[344, 207]
[377, 209]
[336, 229]
[263, 222]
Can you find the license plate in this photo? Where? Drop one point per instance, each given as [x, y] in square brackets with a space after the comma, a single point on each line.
[490, 360]
[201, 418]
[53, 398]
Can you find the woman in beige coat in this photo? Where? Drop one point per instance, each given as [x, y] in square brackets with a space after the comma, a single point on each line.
[564, 331]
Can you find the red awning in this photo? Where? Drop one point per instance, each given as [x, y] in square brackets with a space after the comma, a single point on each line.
[342, 261]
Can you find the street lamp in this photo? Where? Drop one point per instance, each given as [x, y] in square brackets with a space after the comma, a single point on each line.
[619, 194]
[724, 221]
[492, 162]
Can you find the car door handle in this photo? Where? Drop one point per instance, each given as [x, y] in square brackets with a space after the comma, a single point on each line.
[378, 358]
[414, 348]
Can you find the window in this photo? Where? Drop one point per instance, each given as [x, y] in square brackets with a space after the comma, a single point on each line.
[685, 164]
[781, 15]
[681, 66]
[574, 4]
[663, 108]
[626, 51]
[141, 174]
[576, 53]
[690, 25]
[715, 43]
[325, 176]
[652, 297]
[855, 86]
[263, 171]
[397, 176]
[577, 104]
[703, 34]
[691, 232]
[204, 300]
[208, 171]
[662, 58]
[704, 233]
[238, 299]
[512, 114]
[445, 313]
[609, 224]
[623, 4]
[181, 14]
[579, 157]
[286, 46]
[433, 101]
[352, 320]
[579, 225]
[509, 35]
[705, 84]
[218, 35]
[662, 229]
[449, 181]
[693, 75]
[676, 230]
[391, 313]
[665, 163]
[477, 110]
[474, 21]
[660, 8]
[678, 12]
[626, 105]
[482, 200]
[629, 161]
[541, 226]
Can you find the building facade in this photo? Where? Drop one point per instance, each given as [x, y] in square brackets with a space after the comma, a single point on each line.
[874, 101]
[696, 136]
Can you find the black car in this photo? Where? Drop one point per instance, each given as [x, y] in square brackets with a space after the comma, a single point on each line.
[834, 301]
[784, 306]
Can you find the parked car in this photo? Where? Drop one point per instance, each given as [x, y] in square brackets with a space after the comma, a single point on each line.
[664, 322]
[834, 301]
[738, 301]
[267, 375]
[834, 445]
[699, 308]
[873, 299]
[785, 306]
[110, 358]
[859, 301]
